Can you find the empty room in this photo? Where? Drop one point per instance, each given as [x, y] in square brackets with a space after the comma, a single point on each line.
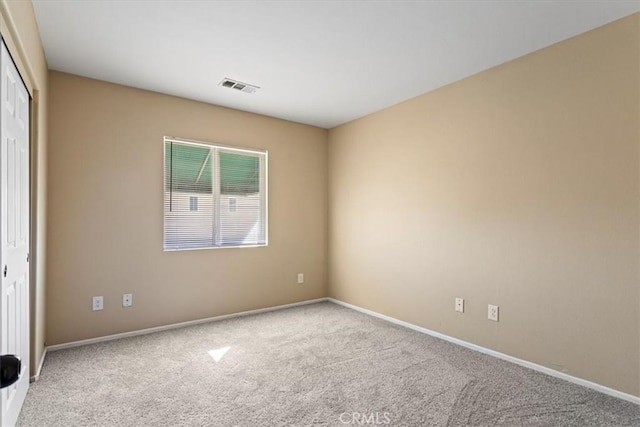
[320, 213]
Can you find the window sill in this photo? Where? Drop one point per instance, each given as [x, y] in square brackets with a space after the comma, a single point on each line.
[214, 247]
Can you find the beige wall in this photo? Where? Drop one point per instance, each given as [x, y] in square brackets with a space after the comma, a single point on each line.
[106, 212]
[518, 186]
[20, 31]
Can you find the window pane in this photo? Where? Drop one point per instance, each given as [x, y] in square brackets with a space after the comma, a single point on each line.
[241, 203]
[189, 201]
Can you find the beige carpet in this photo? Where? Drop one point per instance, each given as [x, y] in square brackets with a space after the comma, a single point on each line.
[316, 365]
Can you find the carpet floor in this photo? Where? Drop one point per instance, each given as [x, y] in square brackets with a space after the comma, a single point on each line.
[314, 365]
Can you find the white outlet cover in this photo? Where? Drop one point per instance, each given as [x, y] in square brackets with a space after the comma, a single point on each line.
[459, 305]
[493, 312]
[127, 300]
[97, 303]
[300, 277]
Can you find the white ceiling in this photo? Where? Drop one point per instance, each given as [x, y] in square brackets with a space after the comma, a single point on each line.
[317, 62]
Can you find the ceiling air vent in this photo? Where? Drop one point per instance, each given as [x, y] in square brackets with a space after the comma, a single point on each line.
[239, 86]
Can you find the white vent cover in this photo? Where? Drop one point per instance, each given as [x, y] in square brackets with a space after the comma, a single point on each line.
[239, 86]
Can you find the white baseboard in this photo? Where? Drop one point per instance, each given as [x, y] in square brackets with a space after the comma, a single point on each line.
[178, 325]
[36, 376]
[552, 372]
[503, 356]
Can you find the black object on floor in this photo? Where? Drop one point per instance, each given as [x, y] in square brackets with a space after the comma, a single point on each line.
[9, 370]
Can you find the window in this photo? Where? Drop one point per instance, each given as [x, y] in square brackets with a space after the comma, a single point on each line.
[214, 196]
[193, 203]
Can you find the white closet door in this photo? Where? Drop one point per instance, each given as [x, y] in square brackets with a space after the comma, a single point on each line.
[14, 232]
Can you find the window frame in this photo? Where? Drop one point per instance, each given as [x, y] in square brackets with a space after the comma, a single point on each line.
[263, 156]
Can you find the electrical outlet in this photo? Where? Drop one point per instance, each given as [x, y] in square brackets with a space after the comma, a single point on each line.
[98, 303]
[492, 313]
[459, 305]
[300, 277]
[127, 300]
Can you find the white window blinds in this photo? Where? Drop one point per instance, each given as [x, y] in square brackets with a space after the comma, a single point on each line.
[214, 196]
